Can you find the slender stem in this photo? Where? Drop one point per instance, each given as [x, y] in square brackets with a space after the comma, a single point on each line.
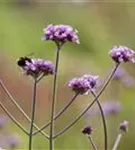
[51, 142]
[32, 113]
[103, 120]
[92, 142]
[90, 105]
[117, 141]
[57, 115]
[40, 77]
[19, 108]
[13, 119]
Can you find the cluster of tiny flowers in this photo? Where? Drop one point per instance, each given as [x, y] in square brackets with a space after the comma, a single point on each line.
[91, 79]
[120, 72]
[111, 107]
[84, 84]
[61, 33]
[8, 140]
[122, 54]
[36, 67]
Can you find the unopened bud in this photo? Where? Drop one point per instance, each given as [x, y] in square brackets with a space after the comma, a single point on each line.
[123, 127]
[87, 130]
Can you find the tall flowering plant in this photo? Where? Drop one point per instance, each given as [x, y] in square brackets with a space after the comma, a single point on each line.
[86, 84]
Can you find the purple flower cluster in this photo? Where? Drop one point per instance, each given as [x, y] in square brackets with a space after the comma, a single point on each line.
[120, 72]
[36, 67]
[61, 33]
[111, 108]
[13, 141]
[122, 54]
[8, 140]
[84, 84]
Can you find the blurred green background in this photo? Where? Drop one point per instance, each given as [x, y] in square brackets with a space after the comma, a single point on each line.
[101, 25]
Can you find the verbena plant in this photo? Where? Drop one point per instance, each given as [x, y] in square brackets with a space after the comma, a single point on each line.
[87, 84]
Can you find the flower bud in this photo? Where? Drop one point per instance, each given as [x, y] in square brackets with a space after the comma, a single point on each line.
[87, 130]
[122, 54]
[123, 127]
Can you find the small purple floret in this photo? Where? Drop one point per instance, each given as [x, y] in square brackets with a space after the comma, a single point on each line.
[92, 80]
[122, 54]
[60, 33]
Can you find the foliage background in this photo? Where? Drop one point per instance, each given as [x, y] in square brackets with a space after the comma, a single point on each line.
[101, 25]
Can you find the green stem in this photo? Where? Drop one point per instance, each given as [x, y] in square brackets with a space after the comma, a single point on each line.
[92, 142]
[89, 106]
[103, 120]
[13, 119]
[117, 141]
[32, 113]
[19, 108]
[51, 142]
[58, 115]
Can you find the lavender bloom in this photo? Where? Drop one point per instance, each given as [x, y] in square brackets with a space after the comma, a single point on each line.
[122, 54]
[36, 67]
[3, 121]
[111, 108]
[123, 127]
[87, 130]
[128, 81]
[119, 73]
[61, 34]
[79, 85]
[13, 141]
[92, 80]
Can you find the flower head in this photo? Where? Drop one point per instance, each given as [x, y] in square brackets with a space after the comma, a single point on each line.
[61, 34]
[87, 130]
[83, 84]
[79, 85]
[122, 54]
[36, 67]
